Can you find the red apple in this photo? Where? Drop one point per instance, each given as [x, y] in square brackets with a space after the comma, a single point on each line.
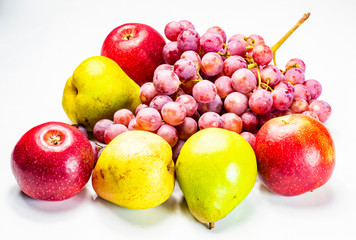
[295, 154]
[52, 161]
[137, 48]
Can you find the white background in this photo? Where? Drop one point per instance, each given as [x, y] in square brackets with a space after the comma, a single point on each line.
[42, 42]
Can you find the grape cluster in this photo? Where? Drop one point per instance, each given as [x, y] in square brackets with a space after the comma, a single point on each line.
[211, 81]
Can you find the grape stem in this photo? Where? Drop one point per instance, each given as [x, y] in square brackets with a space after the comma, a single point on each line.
[275, 47]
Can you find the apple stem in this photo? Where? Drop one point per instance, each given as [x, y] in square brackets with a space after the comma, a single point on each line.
[211, 225]
[275, 47]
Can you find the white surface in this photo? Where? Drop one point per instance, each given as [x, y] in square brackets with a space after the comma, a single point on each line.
[42, 42]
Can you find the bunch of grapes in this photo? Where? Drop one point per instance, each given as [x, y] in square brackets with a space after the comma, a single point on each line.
[211, 81]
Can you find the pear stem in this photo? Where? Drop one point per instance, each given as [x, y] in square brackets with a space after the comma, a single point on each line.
[275, 47]
[211, 225]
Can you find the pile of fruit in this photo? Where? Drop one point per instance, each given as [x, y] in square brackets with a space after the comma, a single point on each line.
[212, 110]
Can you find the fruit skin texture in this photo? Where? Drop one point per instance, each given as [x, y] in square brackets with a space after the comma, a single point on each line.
[97, 89]
[216, 169]
[295, 154]
[52, 161]
[137, 48]
[135, 170]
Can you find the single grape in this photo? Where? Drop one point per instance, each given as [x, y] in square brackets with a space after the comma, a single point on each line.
[262, 54]
[213, 106]
[187, 128]
[123, 116]
[149, 119]
[287, 86]
[296, 62]
[204, 91]
[186, 24]
[176, 149]
[250, 138]
[299, 105]
[133, 125]
[188, 39]
[211, 42]
[211, 64]
[295, 76]
[236, 102]
[210, 119]
[256, 40]
[301, 91]
[218, 30]
[232, 64]
[310, 114]
[243, 80]
[164, 66]
[321, 108]
[82, 129]
[95, 148]
[189, 104]
[232, 122]
[99, 129]
[140, 107]
[173, 113]
[223, 86]
[236, 47]
[147, 92]
[282, 98]
[249, 121]
[171, 53]
[112, 131]
[185, 69]
[270, 75]
[261, 101]
[239, 37]
[172, 30]
[166, 82]
[314, 88]
[193, 56]
[168, 133]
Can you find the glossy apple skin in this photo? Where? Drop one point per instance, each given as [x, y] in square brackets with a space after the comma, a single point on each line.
[137, 48]
[295, 154]
[52, 161]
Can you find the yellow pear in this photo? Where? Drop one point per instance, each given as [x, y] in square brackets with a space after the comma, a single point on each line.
[135, 170]
[96, 90]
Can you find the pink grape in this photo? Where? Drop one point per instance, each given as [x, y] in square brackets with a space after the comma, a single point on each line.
[176, 149]
[211, 42]
[236, 47]
[321, 108]
[204, 91]
[173, 113]
[149, 119]
[147, 92]
[95, 148]
[213, 106]
[236, 102]
[256, 40]
[243, 80]
[232, 64]
[262, 54]
[223, 86]
[133, 125]
[211, 64]
[239, 37]
[299, 105]
[295, 61]
[189, 104]
[171, 53]
[123, 116]
[271, 75]
[314, 88]
[310, 114]
[159, 101]
[164, 66]
[249, 121]
[140, 107]
[260, 101]
[287, 86]
[166, 82]
[193, 56]
[232, 122]
[279, 113]
[295, 76]
[185, 69]
[301, 91]
[99, 129]
[186, 24]
[282, 98]
[210, 119]
[218, 30]
[265, 118]
[187, 128]
[172, 30]
[82, 129]
[168, 133]
[250, 138]
[113, 131]
[188, 39]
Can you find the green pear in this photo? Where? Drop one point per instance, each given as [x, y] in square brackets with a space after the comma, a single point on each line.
[96, 90]
[216, 169]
